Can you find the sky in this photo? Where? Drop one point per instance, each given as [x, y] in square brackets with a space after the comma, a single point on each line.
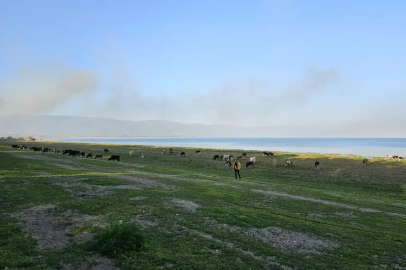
[332, 64]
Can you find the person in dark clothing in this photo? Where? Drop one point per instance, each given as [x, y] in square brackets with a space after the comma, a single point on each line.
[237, 167]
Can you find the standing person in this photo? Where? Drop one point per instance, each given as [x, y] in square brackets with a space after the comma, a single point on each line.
[237, 167]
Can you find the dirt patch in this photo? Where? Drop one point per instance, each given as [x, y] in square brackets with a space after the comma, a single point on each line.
[189, 206]
[291, 241]
[399, 204]
[65, 166]
[50, 228]
[343, 205]
[144, 221]
[30, 156]
[95, 262]
[270, 261]
[77, 188]
[141, 183]
[283, 240]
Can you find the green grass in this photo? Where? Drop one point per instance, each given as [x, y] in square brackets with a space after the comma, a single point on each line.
[118, 240]
[360, 208]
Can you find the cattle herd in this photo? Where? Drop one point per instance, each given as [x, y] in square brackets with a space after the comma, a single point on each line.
[227, 158]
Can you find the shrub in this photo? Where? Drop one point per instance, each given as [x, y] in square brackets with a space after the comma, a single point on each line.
[118, 239]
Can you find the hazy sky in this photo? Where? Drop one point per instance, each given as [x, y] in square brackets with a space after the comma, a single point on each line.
[252, 63]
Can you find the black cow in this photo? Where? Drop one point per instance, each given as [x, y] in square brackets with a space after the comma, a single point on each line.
[244, 154]
[198, 152]
[89, 155]
[183, 154]
[14, 145]
[216, 157]
[99, 156]
[106, 150]
[317, 165]
[114, 157]
[228, 164]
[82, 154]
[74, 153]
[250, 163]
[66, 152]
[36, 149]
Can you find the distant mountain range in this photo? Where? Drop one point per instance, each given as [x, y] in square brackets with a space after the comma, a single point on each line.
[73, 126]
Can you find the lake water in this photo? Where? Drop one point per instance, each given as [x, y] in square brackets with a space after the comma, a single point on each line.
[367, 147]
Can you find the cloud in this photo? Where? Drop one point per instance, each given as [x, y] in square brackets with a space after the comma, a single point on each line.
[42, 90]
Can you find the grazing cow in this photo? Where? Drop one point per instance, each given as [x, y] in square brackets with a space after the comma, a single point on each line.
[198, 152]
[231, 158]
[216, 157]
[90, 155]
[228, 164]
[225, 157]
[131, 152]
[74, 153]
[238, 157]
[142, 155]
[46, 149]
[36, 149]
[317, 165]
[389, 157]
[114, 157]
[289, 163]
[250, 163]
[253, 159]
[163, 152]
[106, 150]
[98, 156]
[266, 154]
[400, 157]
[14, 145]
[365, 161]
[82, 154]
[396, 158]
[66, 152]
[171, 151]
[274, 162]
[244, 154]
[183, 154]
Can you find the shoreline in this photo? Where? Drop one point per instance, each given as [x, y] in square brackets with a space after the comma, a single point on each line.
[196, 147]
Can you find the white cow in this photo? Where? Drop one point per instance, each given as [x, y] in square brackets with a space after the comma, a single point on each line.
[142, 155]
[253, 159]
[163, 152]
[131, 152]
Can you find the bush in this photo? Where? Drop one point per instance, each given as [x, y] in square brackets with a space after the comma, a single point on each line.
[118, 239]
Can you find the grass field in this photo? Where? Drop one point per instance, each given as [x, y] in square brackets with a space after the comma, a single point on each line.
[193, 214]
